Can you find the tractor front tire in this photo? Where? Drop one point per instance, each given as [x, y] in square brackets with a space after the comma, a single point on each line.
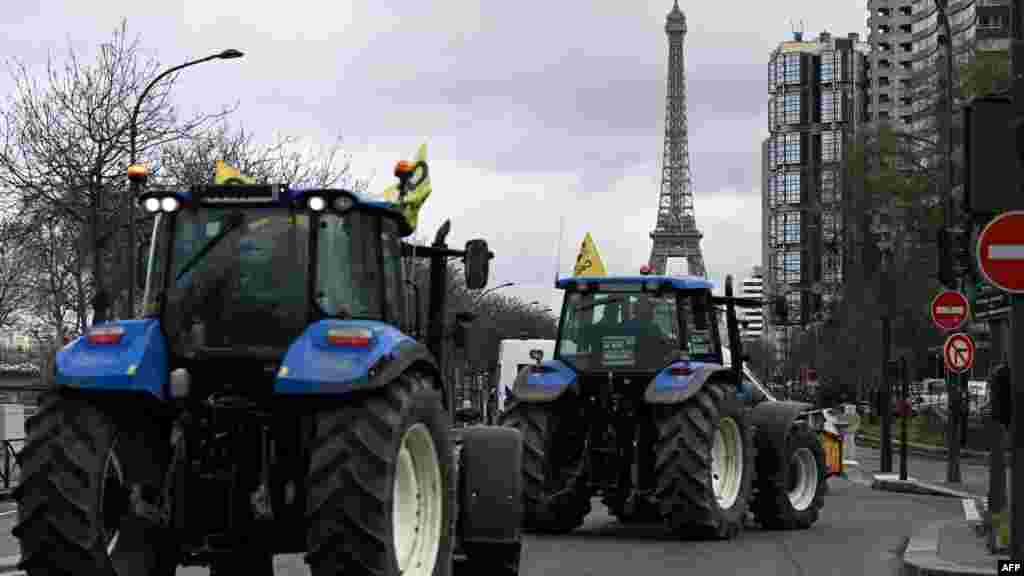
[791, 498]
[554, 498]
[83, 469]
[378, 485]
[704, 463]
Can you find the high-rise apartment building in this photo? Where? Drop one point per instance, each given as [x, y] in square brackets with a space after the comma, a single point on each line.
[817, 97]
[753, 318]
[977, 27]
[890, 35]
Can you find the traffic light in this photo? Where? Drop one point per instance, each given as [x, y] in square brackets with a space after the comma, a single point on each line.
[1001, 396]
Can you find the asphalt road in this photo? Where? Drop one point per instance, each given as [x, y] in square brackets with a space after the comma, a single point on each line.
[973, 473]
[861, 532]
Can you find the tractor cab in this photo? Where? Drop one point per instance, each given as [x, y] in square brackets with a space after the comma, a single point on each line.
[636, 324]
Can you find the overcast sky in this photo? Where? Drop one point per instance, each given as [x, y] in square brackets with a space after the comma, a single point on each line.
[532, 110]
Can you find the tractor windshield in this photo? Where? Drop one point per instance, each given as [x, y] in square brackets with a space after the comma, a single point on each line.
[633, 331]
[237, 278]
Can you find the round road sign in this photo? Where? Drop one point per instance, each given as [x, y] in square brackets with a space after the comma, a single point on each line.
[958, 352]
[949, 310]
[1001, 252]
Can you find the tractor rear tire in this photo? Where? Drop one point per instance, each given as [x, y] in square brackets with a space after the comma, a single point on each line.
[378, 486]
[792, 498]
[79, 472]
[555, 501]
[697, 495]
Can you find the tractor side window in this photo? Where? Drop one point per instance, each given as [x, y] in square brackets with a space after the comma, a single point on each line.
[394, 291]
[699, 327]
[348, 275]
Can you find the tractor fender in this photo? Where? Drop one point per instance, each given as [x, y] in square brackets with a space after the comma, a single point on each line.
[136, 362]
[544, 383]
[773, 421]
[489, 478]
[313, 365]
[669, 388]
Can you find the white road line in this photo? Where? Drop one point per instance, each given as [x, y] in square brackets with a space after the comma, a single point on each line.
[1006, 252]
[971, 510]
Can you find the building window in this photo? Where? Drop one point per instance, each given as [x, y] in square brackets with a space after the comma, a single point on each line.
[831, 146]
[792, 108]
[826, 70]
[792, 188]
[829, 190]
[777, 110]
[791, 227]
[776, 190]
[792, 148]
[793, 299]
[830, 272]
[792, 68]
[828, 226]
[829, 106]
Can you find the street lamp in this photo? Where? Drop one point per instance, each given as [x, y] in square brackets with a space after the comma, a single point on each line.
[229, 54]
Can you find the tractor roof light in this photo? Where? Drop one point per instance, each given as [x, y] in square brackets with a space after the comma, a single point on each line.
[169, 204]
[344, 203]
[151, 204]
[316, 203]
[137, 173]
[404, 168]
[349, 337]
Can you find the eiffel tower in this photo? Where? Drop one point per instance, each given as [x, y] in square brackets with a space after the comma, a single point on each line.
[676, 235]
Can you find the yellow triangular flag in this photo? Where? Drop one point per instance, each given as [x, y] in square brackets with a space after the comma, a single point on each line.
[588, 262]
[415, 198]
[229, 175]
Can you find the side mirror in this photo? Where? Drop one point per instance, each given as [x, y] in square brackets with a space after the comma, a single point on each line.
[700, 311]
[477, 264]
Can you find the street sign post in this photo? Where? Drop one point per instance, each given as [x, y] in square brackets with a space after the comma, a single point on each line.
[958, 352]
[949, 310]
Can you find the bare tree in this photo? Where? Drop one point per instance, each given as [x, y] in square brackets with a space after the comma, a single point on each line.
[15, 292]
[192, 161]
[64, 143]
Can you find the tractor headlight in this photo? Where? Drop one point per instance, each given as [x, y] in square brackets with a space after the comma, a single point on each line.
[169, 203]
[343, 203]
[317, 203]
[152, 204]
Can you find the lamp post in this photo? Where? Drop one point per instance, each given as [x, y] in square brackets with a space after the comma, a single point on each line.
[135, 183]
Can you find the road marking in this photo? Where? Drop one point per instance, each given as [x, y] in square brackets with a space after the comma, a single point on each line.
[971, 510]
[1006, 252]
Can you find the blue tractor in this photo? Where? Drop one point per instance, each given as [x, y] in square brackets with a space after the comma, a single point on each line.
[273, 399]
[640, 407]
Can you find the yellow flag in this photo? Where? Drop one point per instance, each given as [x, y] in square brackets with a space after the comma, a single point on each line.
[588, 262]
[421, 190]
[229, 175]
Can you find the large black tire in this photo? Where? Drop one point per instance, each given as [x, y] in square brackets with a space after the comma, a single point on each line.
[773, 508]
[683, 463]
[555, 498]
[70, 501]
[354, 465]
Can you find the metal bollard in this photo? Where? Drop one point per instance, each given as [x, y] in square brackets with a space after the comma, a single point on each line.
[850, 439]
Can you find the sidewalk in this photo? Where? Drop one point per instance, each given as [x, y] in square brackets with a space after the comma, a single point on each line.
[953, 547]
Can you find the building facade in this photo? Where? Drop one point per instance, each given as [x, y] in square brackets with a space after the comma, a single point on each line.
[977, 27]
[753, 318]
[891, 38]
[817, 98]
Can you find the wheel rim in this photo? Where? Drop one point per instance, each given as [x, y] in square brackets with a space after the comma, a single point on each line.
[727, 463]
[803, 479]
[417, 505]
[114, 499]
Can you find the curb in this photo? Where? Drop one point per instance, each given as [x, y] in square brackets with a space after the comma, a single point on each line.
[936, 452]
[921, 556]
[892, 483]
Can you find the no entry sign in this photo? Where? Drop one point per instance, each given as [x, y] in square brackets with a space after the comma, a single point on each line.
[958, 352]
[1001, 252]
[949, 310]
